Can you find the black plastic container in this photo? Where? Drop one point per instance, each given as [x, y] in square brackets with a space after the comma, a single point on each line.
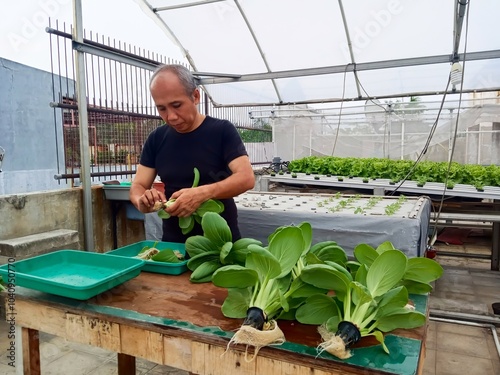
[349, 333]
[255, 318]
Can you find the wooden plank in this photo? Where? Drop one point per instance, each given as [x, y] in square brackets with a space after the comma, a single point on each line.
[31, 351]
[93, 331]
[218, 360]
[40, 317]
[142, 343]
[198, 358]
[423, 353]
[126, 364]
[264, 365]
[177, 352]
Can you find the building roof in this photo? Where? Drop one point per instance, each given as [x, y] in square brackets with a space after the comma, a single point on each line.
[293, 51]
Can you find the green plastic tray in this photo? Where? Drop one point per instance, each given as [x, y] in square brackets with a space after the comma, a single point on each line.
[150, 265]
[72, 273]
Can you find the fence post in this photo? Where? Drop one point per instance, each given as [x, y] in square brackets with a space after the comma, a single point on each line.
[84, 132]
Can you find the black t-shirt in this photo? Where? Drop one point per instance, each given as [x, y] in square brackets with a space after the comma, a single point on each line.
[210, 148]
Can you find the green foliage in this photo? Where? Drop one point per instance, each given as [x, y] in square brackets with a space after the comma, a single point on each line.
[270, 278]
[105, 156]
[215, 248]
[167, 256]
[372, 292]
[261, 133]
[187, 223]
[424, 171]
[121, 156]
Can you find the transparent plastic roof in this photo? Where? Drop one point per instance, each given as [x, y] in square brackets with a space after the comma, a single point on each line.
[256, 52]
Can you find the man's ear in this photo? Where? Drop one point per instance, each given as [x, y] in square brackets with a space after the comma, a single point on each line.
[196, 96]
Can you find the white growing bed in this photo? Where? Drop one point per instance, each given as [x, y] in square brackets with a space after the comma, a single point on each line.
[347, 219]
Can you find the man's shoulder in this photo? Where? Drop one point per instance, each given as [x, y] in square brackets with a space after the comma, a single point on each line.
[160, 131]
[214, 121]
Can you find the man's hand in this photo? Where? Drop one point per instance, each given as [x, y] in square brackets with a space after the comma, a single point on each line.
[146, 202]
[187, 201]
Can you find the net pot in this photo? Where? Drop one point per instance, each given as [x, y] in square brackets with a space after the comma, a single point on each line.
[349, 333]
[255, 318]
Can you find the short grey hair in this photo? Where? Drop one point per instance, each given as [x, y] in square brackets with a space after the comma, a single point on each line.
[185, 76]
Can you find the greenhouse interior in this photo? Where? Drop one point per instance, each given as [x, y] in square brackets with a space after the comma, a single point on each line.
[310, 188]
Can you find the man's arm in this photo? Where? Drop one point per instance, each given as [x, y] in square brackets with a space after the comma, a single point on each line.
[142, 196]
[241, 180]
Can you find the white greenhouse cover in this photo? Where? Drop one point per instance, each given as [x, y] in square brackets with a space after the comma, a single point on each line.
[258, 52]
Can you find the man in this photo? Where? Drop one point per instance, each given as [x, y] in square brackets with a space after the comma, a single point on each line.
[189, 140]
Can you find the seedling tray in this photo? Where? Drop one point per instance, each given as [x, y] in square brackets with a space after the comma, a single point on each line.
[71, 273]
[117, 192]
[151, 265]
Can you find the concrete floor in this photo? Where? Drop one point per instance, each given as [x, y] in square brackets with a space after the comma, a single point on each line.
[467, 290]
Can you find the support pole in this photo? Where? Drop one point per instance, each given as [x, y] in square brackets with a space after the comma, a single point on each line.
[84, 132]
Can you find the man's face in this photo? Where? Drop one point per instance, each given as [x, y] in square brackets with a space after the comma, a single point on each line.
[175, 107]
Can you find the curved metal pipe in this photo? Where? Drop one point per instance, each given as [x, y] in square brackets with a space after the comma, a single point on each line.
[492, 327]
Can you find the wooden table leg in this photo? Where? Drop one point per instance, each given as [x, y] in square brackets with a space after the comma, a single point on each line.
[126, 364]
[31, 351]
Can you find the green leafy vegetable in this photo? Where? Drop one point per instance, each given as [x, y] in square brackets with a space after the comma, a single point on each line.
[187, 223]
[396, 170]
[215, 248]
[168, 256]
[165, 255]
[373, 297]
[270, 274]
[268, 287]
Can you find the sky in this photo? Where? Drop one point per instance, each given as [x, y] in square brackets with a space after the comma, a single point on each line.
[23, 38]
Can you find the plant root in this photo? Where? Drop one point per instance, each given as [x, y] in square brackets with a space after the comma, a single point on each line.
[332, 344]
[148, 254]
[271, 334]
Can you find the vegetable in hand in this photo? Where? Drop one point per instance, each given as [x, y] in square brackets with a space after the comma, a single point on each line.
[187, 223]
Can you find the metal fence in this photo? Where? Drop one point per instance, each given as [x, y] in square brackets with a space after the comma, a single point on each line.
[121, 112]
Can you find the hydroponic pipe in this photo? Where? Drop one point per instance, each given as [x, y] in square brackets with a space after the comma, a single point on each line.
[464, 322]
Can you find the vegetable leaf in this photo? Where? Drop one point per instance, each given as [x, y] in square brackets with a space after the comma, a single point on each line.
[385, 272]
[199, 244]
[317, 310]
[365, 254]
[287, 247]
[216, 229]
[236, 303]
[235, 276]
[166, 255]
[264, 263]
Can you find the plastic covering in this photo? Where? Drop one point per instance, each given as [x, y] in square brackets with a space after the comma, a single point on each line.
[400, 133]
[296, 51]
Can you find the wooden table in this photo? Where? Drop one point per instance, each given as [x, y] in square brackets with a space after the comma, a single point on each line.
[168, 320]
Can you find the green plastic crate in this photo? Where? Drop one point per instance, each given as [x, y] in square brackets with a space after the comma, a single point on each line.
[72, 273]
[150, 265]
